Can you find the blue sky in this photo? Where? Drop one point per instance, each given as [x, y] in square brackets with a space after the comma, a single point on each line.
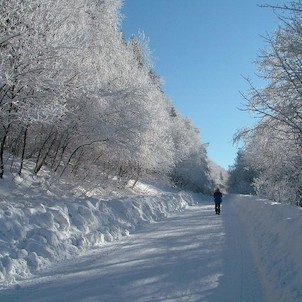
[202, 49]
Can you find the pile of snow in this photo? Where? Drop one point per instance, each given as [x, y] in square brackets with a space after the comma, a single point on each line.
[274, 235]
[43, 222]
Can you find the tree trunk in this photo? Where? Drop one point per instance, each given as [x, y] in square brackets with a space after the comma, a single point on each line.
[23, 149]
[2, 143]
[41, 162]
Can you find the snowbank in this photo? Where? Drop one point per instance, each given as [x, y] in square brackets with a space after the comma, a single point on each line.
[274, 232]
[40, 225]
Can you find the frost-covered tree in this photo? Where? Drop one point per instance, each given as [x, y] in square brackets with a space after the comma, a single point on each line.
[274, 145]
[191, 169]
[28, 94]
[50, 71]
[277, 163]
[241, 176]
[219, 176]
[77, 97]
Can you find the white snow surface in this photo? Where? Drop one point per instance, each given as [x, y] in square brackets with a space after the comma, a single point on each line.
[274, 236]
[65, 243]
[42, 223]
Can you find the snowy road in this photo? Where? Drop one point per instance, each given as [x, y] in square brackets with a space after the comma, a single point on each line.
[194, 255]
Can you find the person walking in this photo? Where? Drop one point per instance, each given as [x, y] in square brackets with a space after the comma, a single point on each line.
[217, 199]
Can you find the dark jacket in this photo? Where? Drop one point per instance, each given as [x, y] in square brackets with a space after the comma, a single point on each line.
[217, 196]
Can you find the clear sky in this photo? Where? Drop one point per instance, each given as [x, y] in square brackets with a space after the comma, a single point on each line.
[202, 49]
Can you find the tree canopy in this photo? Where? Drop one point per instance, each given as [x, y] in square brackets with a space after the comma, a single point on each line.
[79, 98]
[273, 147]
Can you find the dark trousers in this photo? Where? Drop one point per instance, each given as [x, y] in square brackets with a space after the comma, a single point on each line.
[217, 207]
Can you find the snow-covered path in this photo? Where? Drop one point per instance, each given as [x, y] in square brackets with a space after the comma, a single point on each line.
[194, 255]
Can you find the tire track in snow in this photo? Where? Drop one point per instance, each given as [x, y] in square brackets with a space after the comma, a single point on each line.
[240, 281]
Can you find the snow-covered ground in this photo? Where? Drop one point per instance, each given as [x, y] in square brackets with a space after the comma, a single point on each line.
[43, 222]
[186, 257]
[274, 236]
[57, 244]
